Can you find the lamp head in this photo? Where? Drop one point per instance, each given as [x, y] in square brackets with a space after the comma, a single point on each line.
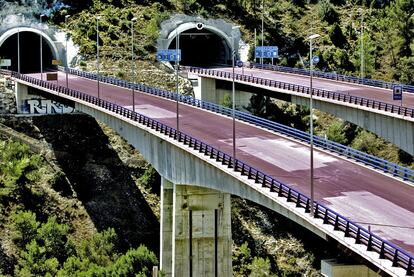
[313, 36]
[42, 15]
[134, 19]
[67, 16]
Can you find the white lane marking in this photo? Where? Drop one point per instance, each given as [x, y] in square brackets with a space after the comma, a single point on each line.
[153, 111]
[293, 157]
[386, 219]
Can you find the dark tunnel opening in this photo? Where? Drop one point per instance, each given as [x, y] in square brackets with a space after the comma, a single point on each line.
[202, 48]
[29, 52]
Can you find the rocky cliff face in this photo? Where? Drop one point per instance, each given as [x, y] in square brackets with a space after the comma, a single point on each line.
[7, 100]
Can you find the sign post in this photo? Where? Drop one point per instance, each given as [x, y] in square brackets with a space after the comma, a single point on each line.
[397, 93]
[240, 64]
[169, 55]
[173, 55]
[269, 52]
[5, 63]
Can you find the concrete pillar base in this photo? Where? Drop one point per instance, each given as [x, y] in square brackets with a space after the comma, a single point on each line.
[202, 231]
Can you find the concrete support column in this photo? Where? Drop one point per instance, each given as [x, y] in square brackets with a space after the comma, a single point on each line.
[202, 233]
[166, 222]
[206, 90]
[21, 93]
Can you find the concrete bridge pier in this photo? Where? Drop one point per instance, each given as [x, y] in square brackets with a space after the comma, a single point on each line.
[208, 89]
[195, 231]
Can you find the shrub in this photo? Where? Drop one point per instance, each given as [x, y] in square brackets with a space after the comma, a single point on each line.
[327, 12]
[24, 226]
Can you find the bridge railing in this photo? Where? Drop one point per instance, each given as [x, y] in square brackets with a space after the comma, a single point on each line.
[338, 96]
[377, 163]
[385, 249]
[334, 76]
[5, 72]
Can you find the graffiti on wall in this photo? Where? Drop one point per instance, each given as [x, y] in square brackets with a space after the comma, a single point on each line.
[45, 106]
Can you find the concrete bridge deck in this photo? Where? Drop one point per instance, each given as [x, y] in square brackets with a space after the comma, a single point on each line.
[375, 93]
[376, 201]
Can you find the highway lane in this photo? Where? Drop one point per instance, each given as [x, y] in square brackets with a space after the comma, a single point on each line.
[373, 199]
[374, 93]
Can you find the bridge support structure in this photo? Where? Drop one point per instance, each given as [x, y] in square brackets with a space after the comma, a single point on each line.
[195, 231]
[206, 89]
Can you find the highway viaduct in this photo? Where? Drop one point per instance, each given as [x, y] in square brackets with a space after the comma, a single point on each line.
[198, 179]
[368, 107]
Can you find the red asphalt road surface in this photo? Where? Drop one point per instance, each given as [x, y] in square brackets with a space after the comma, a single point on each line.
[365, 196]
[379, 94]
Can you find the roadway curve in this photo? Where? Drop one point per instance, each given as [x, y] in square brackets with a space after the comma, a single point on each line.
[379, 94]
[374, 200]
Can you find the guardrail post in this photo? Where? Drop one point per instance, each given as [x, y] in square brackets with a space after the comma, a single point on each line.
[325, 218]
[280, 192]
[395, 259]
[336, 225]
[298, 200]
[410, 264]
[307, 208]
[316, 211]
[369, 246]
[347, 229]
[272, 185]
[358, 236]
[382, 251]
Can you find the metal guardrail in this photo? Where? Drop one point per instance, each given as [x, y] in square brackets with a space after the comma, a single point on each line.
[5, 72]
[385, 249]
[334, 76]
[356, 100]
[377, 163]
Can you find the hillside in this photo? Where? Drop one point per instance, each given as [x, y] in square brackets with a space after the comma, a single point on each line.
[388, 30]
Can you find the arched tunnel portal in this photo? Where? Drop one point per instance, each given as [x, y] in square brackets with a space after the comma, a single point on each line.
[29, 49]
[201, 45]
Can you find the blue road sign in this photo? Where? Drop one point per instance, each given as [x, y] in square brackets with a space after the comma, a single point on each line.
[315, 59]
[266, 52]
[169, 55]
[397, 92]
[239, 63]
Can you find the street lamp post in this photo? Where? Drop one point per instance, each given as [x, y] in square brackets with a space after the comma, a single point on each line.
[97, 52]
[233, 57]
[261, 59]
[66, 47]
[311, 37]
[177, 65]
[362, 45]
[133, 62]
[18, 46]
[41, 49]
[18, 50]
[233, 53]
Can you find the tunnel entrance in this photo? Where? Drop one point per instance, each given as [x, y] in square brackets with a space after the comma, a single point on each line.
[29, 52]
[202, 48]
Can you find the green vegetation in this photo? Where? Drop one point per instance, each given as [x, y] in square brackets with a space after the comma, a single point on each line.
[44, 232]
